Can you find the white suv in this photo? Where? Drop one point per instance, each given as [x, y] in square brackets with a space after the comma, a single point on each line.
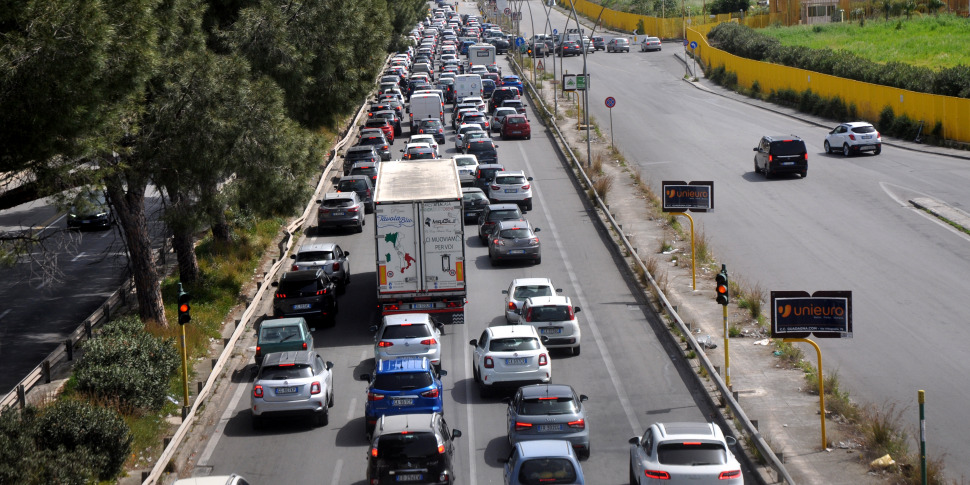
[510, 356]
[522, 289]
[555, 318]
[509, 186]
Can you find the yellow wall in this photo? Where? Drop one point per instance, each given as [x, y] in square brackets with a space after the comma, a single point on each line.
[869, 99]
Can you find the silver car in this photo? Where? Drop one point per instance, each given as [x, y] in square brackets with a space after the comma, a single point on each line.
[329, 256]
[523, 288]
[293, 383]
[408, 335]
[684, 453]
[549, 412]
[510, 240]
[341, 209]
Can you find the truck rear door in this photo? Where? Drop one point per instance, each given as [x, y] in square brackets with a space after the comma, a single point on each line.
[397, 248]
[444, 262]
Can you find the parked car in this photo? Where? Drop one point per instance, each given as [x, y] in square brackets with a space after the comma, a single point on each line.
[467, 165]
[514, 240]
[522, 289]
[516, 126]
[309, 293]
[555, 317]
[362, 183]
[293, 383]
[327, 256]
[618, 44]
[541, 462]
[360, 153]
[852, 138]
[282, 335]
[412, 448]
[548, 412]
[408, 335]
[684, 452]
[511, 186]
[650, 44]
[781, 154]
[401, 386]
[473, 203]
[89, 210]
[509, 356]
[341, 209]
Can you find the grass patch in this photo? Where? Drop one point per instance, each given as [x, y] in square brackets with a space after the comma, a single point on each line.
[882, 432]
[734, 331]
[603, 185]
[789, 352]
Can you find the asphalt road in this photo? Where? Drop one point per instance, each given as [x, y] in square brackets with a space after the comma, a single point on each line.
[624, 369]
[847, 226]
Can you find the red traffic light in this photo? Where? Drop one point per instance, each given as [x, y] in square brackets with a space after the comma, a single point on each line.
[184, 307]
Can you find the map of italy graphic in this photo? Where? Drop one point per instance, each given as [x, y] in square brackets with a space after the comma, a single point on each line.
[392, 237]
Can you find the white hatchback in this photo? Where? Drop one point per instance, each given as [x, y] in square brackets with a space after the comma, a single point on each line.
[510, 356]
[429, 139]
[522, 289]
[555, 318]
[511, 186]
[408, 335]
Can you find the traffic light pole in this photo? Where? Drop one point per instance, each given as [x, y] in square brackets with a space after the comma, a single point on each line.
[727, 354]
[185, 375]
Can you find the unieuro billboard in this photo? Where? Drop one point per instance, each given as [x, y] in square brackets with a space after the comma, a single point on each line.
[824, 314]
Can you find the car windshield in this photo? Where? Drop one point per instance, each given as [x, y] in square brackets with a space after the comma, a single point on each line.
[542, 471]
[529, 291]
[788, 147]
[515, 233]
[338, 203]
[285, 371]
[275, 335]
[314, 256]
[547, 405]
[691, 453]
[406, 331]
[549, 313]
[503, 214]
[402, 381]
[473, 196]
[510, 180]
[513, 344]
[407, 445]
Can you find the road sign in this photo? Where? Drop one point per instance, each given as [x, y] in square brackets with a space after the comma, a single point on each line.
[540, 66]
[681, 196]
[582, 83]
[568, 82]
[685, 42]
[824, 314]
[517, 15]
[519, 41]
[555, 31]
[693, 45]
[508, 10]
[610, 102]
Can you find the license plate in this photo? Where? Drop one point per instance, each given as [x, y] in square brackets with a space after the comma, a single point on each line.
[469, 214]
[517, 251]
[422, 306]
[403, 402]
[511, 191]
[521, 361]
[866, 137]
[302, 306]
[787, 163]
[550, 427]
[550, 330]
[410, 477]
[286, 390]
[867, 147]
[337, 213]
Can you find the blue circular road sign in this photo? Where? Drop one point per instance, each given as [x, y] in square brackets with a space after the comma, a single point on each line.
[610, 102]
[685, 42]
[693, 45]
[555, 31]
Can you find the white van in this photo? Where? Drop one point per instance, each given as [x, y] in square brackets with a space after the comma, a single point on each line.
[425, 107]
[437, 92]
[467, 85]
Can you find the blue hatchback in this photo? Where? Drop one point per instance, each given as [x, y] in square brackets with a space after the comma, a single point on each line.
[513, 81]
[405, 385]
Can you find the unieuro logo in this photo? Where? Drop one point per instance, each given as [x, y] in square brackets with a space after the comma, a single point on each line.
[811, 311]
[690, 193]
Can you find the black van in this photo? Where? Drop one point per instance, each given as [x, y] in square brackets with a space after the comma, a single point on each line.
[781, 154]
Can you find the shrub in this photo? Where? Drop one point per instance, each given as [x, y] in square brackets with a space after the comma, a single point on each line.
[127, 365]
[905, 127]
[887, 117]
[16, 445]
[731, 80]
[755, 87]
[98, 434]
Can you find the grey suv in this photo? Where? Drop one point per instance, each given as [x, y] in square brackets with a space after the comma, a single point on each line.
[360, 153]
[341, 209]
[327, 256]
[362, 184]
[412, 448]
[781, 154]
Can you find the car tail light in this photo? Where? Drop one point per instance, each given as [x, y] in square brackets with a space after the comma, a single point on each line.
[304, 345]
[495, 187]
[421, 130]
[336, 266]
[352, 209]
[852, 136]
[385, 343]
[429, 341]
[498, 242]
[578, 424]
[431, 393]
[322, 292]
[528, 314]
[489, 363]
[656, 474]
[533, 241]
[770, 158]
[385, 147]
[295, 268]
[280, 295]
[543, 360]
[730, 474]
[315, 388]
[526, 187]
[520, 426]
[374, 396]
[570, 307]
[259, 351]
[373, 452]
[258, 391]
[511, 306]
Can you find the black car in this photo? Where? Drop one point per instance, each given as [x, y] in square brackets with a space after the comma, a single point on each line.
[89, 210]
[430, 127]
[495, 213]
[362, 184]
[501, 94]
[483, 149]
[473, 203]
[379, 142]
[412, 448]
[485, 173]
[306, 293]
[391, 115]
[501, 45]
[781, 154]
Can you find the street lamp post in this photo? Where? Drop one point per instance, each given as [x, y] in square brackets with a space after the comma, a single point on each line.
[586, 83]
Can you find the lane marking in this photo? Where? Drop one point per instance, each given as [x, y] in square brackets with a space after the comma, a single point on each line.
[904, 202]
[336, 471]
[590, 320]
[221, 426]
[350, 410]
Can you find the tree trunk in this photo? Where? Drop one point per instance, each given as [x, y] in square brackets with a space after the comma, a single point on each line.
[184, 244]
[129, 207]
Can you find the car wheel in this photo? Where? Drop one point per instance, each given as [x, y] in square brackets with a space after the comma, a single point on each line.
[584, 453]
[845, 149]
[633, 476]
[483, 391]
[878, 150]
[576, 350]
[539, 260]
[528, 137]
[330, 401]
[756, 168]
[828, 148]
[321, 419]
[360, 227]
[342, 288]
[804, 173]
[528, 206]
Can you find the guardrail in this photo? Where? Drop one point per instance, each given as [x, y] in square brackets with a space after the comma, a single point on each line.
[726, 395]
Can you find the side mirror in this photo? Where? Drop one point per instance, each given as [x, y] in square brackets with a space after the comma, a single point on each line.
[505, 292]
[577, 309]
[755, 148]
[346, 253]
[440, 327]
[583, 398]
[442, 373]
[536, 229]
[503, 460]
[275, 284]
[455, 433]
[365, 377]
[319, 201]
[473, 342]
[544, 339]
[372, 328]
[329, 365]
[558, 290]
[730, 440]
[635, 441]
[507, 400]
[529, 179]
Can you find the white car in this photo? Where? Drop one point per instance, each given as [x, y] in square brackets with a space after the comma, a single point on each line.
[408, 335]
[409, 146]
[463, 130]
[429, 139]
[509, 356]
[555, 317]
[522, 289]
[670, 453]
[467, 166]
[295, 382]
[511, 186]
[477, 101]
[855, 137]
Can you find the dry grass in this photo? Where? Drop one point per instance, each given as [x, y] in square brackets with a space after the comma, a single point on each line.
[602, 185]
[882, 432]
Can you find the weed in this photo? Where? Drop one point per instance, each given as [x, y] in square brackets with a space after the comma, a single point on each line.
[839, 404]
[665, 246]
[702, 248]
[597, 167]
[691, 355]
[789, 352]
[734, 331]
[881, 430]
[603, 185]
[750, 444]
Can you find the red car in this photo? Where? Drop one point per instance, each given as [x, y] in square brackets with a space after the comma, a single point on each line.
[516, 126]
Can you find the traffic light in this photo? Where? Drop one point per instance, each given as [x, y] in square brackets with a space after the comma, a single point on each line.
[184, 307]
[722, 286]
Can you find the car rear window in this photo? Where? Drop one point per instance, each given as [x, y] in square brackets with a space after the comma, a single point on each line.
[513, 344]
[376, 122]
[464, 161]
[863, 129]
[515, 233]
[510, 179]
[363, 171]
[406, 331]
[371, 140]
[691, 453]
[515, 120]
[402, 381]
[351, 185]
[284, 372]
[275, 335]
[551, 313]
[482, 147]
[298, 288]
[314, 256]
[788, 147]
[543, 406]
[398, 446]
[337, 203]
[503, 214]
[529, 291]
[542, 471]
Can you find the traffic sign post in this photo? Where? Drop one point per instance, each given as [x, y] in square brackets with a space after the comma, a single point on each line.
[610, 103]
[679, 197]
[693, 54]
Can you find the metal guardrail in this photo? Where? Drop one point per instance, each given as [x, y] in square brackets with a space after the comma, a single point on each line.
[726, 394]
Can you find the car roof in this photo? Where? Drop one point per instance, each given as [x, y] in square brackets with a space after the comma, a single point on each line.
[357, 177]
[854, 124]
[680, 430]
[402, 318]
[506, 331]
[782, 137]
[548, 300]
[510, 172]
[299, 357]
[403, 364]
[544, 448]
[499, 207]
[546, 390]
[519, 224]
[361, 148]
[317, 246]
[531, 281]
[281, 322]
[363, 165]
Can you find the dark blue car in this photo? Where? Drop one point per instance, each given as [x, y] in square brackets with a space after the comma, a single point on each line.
[402, 386]
[488, 87]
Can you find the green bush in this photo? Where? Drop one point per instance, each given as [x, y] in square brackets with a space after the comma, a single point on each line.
[887, 117]
[730, 80]
[127, 365]
[755, 87]
[16, 445]
[99, 433]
